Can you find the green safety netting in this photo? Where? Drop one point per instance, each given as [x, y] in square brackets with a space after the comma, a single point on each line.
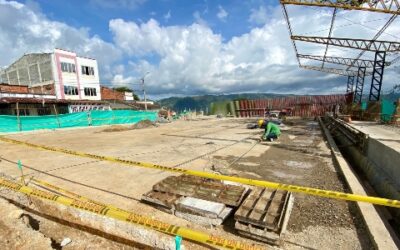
[364, 106]
[81, 119]
[387, 110]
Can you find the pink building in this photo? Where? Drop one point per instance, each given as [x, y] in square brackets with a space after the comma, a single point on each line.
[74, 77]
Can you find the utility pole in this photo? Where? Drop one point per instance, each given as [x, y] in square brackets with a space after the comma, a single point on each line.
[144, 90]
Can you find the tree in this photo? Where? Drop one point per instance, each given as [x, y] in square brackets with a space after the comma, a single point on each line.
[123, 89]
[126, 89]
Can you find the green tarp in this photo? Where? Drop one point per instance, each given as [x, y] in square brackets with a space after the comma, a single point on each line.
[81, 119]
[387, 110]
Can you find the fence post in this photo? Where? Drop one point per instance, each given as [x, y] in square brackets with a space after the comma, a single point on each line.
[58, 120]
[18, 118]
[113, 117]
[89, 118]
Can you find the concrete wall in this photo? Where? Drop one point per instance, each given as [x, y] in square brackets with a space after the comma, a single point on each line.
[89, 81]
[387, 158]
[29, 70]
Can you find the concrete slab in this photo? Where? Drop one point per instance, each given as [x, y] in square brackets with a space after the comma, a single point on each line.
[200, 207]
[205, 220]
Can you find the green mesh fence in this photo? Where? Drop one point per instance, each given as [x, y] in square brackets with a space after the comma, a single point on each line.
[81, 119]
[387, 110]
[364, 106]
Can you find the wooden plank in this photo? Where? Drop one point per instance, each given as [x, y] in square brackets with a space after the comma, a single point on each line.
[245, 209]
[202, 188]
[263, 208]
[260, 208]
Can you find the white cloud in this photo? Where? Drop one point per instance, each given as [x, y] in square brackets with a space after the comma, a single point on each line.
[198, 19]
[259, 16]
[120, 80]
[25, 31]
[193, 59]
[222, 14]
[167, 16]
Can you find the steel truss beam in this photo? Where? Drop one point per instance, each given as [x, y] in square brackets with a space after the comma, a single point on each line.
[350, 84]
[342, 60]
[384, 6]
[359, 85]
[377, 76]
[342, 72]
[362, 44]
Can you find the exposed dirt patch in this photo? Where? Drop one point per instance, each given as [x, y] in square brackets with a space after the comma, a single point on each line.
[140, 125]
[27, 228]
[115, 128]
[143, 124]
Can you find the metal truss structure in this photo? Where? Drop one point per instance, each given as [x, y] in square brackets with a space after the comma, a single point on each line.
[383, 6]
[350, 84]
[342, 60]
[380, 48]
[342, 72]
[377, 76]
[359, 85]
[362, 44]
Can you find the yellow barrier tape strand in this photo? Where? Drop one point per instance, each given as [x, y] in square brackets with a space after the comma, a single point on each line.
[252, 182]
[47, 185]
[130, 217]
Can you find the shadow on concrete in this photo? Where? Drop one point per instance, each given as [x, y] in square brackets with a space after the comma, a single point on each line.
[71, 181]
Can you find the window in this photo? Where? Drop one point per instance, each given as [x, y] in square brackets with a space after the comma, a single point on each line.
[68, 67]
[70, 90]
[44, 111]
[86, 70]
[90, 92]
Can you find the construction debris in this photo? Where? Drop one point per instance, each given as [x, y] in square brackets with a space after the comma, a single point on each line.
[202, 211]
[264, 215]
[139, 125]
[207, 202]
[207, 189]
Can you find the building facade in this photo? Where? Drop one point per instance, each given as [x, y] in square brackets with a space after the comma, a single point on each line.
[73, 77]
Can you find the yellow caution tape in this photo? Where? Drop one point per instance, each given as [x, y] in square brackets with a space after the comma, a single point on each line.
[252, 182]
[122, 215]
[68, 193]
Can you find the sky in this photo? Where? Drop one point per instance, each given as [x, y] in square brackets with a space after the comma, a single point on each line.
[191, 47]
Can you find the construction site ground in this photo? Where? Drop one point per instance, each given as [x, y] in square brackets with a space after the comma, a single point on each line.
[225, 146]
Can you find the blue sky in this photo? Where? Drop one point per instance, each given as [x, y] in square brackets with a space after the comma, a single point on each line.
[96, 14]
[190, 47]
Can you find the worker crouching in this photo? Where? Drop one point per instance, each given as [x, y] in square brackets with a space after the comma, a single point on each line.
[271, 132]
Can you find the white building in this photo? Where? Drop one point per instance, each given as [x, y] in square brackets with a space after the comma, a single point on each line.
[74, 77]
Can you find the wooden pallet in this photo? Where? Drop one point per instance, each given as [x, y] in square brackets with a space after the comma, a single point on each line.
[163, 201]
[264, 214]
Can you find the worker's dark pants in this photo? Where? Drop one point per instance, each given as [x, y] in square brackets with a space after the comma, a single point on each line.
[272, 135]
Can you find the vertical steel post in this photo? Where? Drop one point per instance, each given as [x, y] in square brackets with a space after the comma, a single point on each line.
[350, 84]
[359, 85]
[377, 76]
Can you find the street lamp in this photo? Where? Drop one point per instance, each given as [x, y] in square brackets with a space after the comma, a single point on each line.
[144, 90]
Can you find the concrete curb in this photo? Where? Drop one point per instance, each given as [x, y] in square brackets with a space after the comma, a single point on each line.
[379, 233]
